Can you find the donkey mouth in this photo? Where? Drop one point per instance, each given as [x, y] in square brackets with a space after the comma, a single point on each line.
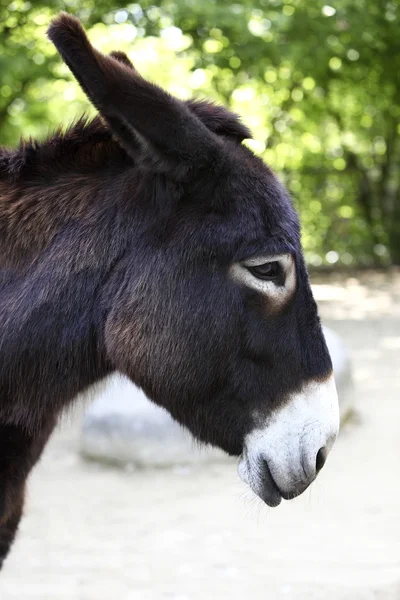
[270, 492]
[260, 481]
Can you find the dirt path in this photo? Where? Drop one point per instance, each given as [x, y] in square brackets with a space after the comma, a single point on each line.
[100, 534]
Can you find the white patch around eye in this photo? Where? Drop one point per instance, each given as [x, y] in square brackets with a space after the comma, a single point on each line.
[278, 293]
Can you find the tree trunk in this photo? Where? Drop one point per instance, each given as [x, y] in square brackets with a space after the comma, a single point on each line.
[394, 232]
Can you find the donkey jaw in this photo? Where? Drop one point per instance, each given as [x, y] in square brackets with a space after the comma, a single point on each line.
[283, 457]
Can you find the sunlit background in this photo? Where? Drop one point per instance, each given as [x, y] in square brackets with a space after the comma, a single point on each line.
[318, 84]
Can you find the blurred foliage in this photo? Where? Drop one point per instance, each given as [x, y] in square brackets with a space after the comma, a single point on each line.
[318, 84]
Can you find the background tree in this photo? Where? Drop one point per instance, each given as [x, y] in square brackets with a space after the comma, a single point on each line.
[318, 84]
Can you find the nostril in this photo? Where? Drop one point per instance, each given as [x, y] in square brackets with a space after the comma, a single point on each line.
[321, 458]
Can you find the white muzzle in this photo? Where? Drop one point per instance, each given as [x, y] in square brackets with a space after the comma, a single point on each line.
[282, 457]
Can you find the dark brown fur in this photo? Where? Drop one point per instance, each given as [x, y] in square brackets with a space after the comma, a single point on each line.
[115, 242]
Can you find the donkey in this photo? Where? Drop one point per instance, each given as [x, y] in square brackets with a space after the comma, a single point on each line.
[150, 241]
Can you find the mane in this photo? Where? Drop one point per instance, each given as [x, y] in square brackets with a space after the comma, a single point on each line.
[88, 145]
[84, 147]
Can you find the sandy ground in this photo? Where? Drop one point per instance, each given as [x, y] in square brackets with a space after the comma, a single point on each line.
[95, 533]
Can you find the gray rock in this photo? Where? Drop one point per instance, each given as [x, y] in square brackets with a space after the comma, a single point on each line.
[123, 427]
[342, 369]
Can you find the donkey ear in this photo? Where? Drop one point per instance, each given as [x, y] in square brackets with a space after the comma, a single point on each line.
[216, 118]
[219, 120]
[132, 105]
[122, 58]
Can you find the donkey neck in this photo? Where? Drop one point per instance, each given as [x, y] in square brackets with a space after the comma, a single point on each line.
[59, 242]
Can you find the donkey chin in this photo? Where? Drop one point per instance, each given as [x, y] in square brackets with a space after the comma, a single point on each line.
[284, 454]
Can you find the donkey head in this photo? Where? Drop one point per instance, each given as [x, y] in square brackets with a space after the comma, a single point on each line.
[212, 312]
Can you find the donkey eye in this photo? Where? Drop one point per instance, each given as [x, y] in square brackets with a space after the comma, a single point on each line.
[274, 276]
[268, 271]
